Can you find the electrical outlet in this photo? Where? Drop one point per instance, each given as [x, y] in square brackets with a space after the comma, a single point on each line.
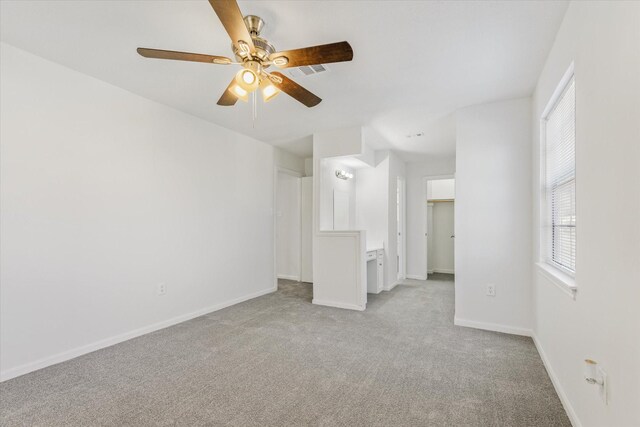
[162, 288]
[491, 290]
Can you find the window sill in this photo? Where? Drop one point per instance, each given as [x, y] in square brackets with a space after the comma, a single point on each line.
[566, 283]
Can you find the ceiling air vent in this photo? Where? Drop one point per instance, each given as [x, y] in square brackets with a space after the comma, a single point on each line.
[307, 70]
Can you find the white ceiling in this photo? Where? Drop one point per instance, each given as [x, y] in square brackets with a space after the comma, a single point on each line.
[414, 62]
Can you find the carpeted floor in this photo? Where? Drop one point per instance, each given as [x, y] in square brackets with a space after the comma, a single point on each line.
[279, 360]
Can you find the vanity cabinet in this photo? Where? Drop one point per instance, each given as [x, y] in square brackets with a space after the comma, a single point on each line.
[375, 270]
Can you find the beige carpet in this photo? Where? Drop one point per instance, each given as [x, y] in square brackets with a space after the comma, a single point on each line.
[278, 360]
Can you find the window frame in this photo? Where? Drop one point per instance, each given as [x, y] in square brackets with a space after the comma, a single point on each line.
[549, 268]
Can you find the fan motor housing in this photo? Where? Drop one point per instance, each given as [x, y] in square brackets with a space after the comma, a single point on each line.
[264, 49]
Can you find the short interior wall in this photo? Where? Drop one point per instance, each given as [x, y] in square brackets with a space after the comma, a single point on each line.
[105, 195]
[339, 267]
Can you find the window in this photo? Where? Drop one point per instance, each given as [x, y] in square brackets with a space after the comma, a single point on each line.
[560, 180]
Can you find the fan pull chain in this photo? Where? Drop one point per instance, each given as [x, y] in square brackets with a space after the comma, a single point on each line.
[254, 109]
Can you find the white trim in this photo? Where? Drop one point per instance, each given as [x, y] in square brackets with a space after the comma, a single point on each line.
[391, 286]
[564, 282]
[107, 342]
[573, 417]
[429, 272]
[326, 303]
[416, 277]
[401, 186]
[289, 277]
[558, 91]
[443, 270]
[437, 177]
[544, 225]
[496, 327]
[289, 171]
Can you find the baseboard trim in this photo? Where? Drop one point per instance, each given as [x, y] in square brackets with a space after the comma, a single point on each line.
[338, 304]
[288, 277]
[107, 342]
[416, 277]
[495, 327]
[391, 286]
[429, 271]
[571, 413]
[443, 270]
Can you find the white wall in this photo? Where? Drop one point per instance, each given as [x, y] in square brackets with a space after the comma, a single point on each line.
[371, 203]
[288, 235]
[286, 160]
[376, 208]
[397, 169]
[441, 189]
[104, 196]
[416, 210]
[339, 267]
[308, 166]
[603, 322]
[493, 216]
[441, 254]
[330, 184]
[306, 229]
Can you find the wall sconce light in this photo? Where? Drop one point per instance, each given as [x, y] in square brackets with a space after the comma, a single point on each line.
[343, 174]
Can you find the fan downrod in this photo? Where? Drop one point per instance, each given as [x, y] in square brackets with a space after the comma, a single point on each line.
[254, 24]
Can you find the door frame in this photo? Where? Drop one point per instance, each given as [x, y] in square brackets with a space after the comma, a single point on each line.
[424, 210]
[401, 228]
[276, 171]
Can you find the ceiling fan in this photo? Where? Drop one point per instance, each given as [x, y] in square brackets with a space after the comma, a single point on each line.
[255, 54]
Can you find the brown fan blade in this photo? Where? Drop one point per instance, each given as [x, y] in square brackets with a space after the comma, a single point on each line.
[296, 91]
[323, 54]
[230, 15]
[183, 56]
[228, 99]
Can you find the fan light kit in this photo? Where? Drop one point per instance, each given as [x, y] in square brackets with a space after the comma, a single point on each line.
[255, 54]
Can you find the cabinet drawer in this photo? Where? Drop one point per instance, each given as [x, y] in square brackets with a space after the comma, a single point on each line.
[371, 255]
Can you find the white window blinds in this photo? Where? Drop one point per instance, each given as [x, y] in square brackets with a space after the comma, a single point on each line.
[560, 136]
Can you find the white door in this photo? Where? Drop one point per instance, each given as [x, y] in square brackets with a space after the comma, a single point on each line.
[400, 221]
[306, 248]
[439, 254]
[442, 256]
[429, 240]
[288, 226]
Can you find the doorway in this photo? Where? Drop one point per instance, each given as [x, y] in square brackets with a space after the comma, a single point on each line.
[400, 229]
[288, 225]
[440, 226]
